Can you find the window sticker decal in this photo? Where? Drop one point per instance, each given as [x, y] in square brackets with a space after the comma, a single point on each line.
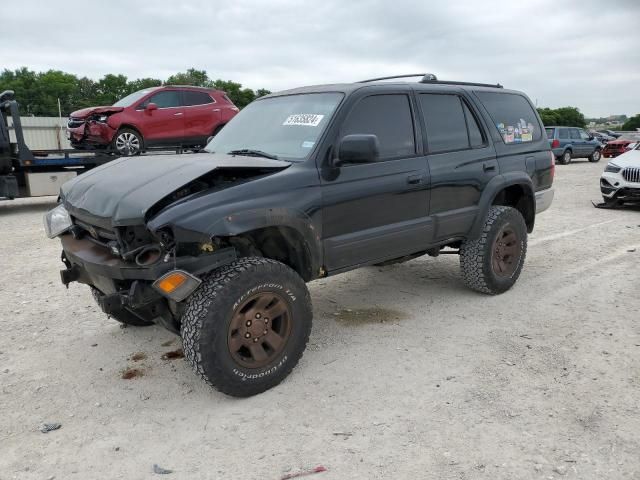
[522, 132]
[308, 144]
[304, 119]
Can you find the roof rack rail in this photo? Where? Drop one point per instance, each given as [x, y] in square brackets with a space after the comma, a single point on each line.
[423, 75]
[431, 78]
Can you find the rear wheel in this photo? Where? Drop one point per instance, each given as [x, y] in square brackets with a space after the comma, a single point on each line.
[127, 142]
[123, 316]
[595, 156]
[565, 158]
[247, 325]
[492, 263]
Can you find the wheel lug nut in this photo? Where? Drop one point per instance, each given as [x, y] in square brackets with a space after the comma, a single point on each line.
[264, 333]
[255, 339]
[247, 335]
[266, 320]
[258, 315]
[248, 323]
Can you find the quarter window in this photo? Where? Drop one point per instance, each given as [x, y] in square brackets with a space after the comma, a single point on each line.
[476, 138]
[196, 98]
[513, 116]
[389, 118]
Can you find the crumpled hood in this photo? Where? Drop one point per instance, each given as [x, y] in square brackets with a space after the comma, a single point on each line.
[85, 112]
[122, 191]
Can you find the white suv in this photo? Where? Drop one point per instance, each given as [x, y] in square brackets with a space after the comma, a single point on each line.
[620, 181]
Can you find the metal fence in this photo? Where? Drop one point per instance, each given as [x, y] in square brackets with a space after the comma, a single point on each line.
[43, 133]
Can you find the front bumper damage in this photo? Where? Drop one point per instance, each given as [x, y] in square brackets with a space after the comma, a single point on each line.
[125, 285]
[615, 189]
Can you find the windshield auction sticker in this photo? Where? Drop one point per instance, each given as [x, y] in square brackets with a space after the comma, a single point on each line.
[304, 119]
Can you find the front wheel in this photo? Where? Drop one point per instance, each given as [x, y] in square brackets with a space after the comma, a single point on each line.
[247, 325]
[492, 263]
[595, 156]
[127, 142]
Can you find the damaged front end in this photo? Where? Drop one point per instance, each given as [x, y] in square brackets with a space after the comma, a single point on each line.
[103, 225]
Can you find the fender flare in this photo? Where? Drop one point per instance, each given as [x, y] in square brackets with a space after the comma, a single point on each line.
[245, 221]
[493, 188]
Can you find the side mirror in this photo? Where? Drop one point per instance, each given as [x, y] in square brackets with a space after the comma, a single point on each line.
[358, 148]
[151, 107]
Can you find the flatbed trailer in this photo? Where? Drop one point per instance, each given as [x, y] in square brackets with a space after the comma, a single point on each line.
[33, 173]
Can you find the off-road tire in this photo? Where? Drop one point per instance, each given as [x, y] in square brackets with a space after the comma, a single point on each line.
[207, 318]
[565, 158]
[595, 156]
[123, 316]
[476, 256]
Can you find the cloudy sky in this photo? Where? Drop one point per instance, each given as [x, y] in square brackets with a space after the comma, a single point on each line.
[584, 53]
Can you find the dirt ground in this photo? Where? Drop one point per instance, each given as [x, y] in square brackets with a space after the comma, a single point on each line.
[407, 375]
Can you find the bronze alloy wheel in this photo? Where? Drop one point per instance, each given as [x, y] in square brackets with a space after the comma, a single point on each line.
[259, 330]
[506, 252]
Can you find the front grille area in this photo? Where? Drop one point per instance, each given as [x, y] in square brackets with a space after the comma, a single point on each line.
[99, 234]
[75, 122]
[631, 175]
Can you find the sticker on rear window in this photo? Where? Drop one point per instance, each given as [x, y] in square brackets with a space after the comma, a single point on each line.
[304, 119]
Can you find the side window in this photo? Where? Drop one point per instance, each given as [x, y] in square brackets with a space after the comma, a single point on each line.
[574, 133]
[584, 135]
[445, 122]
[166, 99]
[389, 118]
[513, 116]
[196, 98]
[563, 133]
[476, 139]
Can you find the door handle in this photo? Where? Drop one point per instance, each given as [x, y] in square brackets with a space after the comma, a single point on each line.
[176, 114]
[488, 167]
[415, 179]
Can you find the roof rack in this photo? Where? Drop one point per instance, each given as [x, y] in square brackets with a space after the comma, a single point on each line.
[431, 78]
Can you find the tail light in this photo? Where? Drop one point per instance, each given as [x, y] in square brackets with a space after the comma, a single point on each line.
[555, 143]
[553, 165]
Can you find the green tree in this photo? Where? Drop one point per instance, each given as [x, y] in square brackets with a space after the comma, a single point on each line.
[192, 76]
[142, 83]
[564, 116]
[111, 88]
[632, 124]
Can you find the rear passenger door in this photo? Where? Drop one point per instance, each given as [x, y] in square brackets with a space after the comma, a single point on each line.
[201, 115]
[377, 211]
[461, 160]
[577, 142]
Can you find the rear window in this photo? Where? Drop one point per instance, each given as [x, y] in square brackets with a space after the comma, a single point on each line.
[513, 116]
[550, 132]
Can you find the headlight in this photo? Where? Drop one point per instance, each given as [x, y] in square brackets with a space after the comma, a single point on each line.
[57, 221]
[612, 168]
[101, 118]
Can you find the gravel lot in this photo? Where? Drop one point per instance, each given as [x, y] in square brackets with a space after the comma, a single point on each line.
[407, 375]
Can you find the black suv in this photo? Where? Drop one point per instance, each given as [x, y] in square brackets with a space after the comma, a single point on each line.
[303, 184]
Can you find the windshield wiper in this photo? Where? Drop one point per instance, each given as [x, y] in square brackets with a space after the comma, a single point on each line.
[253, 153]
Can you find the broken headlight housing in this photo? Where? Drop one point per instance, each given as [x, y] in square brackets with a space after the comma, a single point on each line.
[57, 221]
[612, 168]
[101, 118]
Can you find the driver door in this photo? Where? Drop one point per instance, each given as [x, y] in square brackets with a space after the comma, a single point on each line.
[165, 125]
[379, 210]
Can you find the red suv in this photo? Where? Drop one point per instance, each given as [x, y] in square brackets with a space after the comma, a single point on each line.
[162, 116]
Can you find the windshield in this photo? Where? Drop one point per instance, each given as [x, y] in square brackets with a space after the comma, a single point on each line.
[287, 126]
[132, 98]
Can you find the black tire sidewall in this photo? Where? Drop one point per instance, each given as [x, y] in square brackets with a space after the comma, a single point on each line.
[498, 284]
[593, 158]
[566, 157]
[214, 356]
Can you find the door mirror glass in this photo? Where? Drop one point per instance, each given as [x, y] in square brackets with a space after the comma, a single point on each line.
[151, 107]
[358, 148]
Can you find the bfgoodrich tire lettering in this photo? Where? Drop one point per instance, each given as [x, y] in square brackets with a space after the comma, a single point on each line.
[477, 257]
[208, 323]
